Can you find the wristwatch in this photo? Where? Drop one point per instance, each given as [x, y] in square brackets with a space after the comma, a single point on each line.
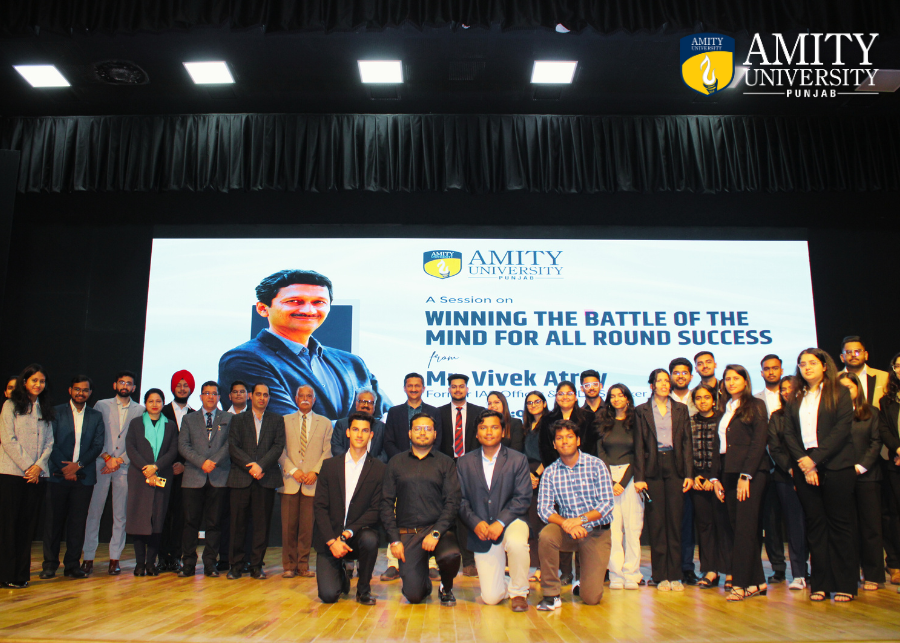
[436, 534]
[80, 466]
[584, 519]
[745, 476]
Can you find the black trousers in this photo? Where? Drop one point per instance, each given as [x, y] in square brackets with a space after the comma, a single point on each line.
[746, 555]
[830, 510]
[202, 510]
[257, 501]
[173, 526]
[687, 534]
[772, 527]
[69, 504]
[890, 522]
[414, 572]
[462, 536]
[868, 514]
[713, 531]
[795, 521]
[330, 570]
[146, 549]
[20, 510]
[663, 520]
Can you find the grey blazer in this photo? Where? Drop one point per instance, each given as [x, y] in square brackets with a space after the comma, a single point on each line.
[114, 443]
[25, 440]
[197, 445]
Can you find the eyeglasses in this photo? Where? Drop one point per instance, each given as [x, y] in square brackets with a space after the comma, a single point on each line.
[365, 403]
[210, 394]
[897, 368]
[853, 353]
[77, 390]
[422, 429]
[591, 385]
[125, 383]
[534, 403]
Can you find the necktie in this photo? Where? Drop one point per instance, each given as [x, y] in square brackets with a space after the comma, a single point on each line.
[304, 439]
[209, 426]
[458, 448]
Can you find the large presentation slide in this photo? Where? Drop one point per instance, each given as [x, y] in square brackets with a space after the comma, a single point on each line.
[514, 315]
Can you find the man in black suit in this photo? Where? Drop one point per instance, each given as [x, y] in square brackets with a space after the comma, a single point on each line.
[256, 441]
[170, 552]
[78, 436]
[365, 403]
[461, 420]
[495, 483]
[346, 520]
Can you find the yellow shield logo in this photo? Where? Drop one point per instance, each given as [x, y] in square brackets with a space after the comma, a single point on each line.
[707, 62]
[442, 263]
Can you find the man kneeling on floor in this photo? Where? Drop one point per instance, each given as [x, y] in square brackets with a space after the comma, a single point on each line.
[576, 500]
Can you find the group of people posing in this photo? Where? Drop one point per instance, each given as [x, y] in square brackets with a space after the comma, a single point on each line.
[817, 452]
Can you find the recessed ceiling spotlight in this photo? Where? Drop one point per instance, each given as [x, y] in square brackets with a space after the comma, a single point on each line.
[553, 72]
[210, 73]
[381, 71]
[42, 75]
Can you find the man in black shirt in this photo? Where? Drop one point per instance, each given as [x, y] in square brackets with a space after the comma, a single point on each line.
[592, 387]
[421, 498]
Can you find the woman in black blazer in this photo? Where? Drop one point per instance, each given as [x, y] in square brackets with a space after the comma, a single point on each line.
[890, 434]
[866, 436]
[663, 467]
[152, 447]
[817, 432]
[745, 470]
[513, 432]
[566, 408]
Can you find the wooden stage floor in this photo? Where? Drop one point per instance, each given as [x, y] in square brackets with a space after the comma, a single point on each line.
[170, 609]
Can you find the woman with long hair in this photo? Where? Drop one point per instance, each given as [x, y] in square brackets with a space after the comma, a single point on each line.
[866, 436]
[782, 474]
[513, 433]
[817, 431]
[710, 512]
[889, 414]
[663, 466]
[152, 447]
[26, 440]
[566, 408]
[615, 446]
[533, 417]
[743, 431]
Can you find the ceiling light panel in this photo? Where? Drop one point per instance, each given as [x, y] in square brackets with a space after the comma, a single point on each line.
[556, 72]
[210, 73]
[381, 71]
[42, 75]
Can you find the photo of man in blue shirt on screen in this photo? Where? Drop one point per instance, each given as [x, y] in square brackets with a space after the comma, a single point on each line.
[285, 355]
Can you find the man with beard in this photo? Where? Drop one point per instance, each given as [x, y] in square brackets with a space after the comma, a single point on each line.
[592, 388]
[112, 471]
[173, 527]
[705, 363]
[682, 373]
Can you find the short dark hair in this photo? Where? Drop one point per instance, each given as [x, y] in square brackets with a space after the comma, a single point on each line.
[588, 373]
[703, 387]
[419, 416]
[268, 288]
[489, 413]
[122, 374]
[852, 338]
[701, 354]
[235, 383]
[362, 417]
[559, 425]
[162, 395]
[209, 383]
[253, 388]
[768, 357]
[681, 361]
[457, 376]
[411, 376]
[82, 378]
[654, 374]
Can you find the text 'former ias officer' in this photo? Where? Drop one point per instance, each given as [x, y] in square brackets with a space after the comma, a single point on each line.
[286, 356]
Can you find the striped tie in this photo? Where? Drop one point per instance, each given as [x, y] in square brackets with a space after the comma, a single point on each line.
[458, 447]
[304, 439]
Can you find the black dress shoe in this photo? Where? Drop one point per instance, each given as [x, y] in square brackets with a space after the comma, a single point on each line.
[246, 568]
[140, 570]
[186, 572]
[152, 570]
[17, 585]
[447, 597]
[212, 572]
[75, 572]
[176, 566]
[223, 566]
[777, 577]
[566, 579]
[690, 578]
[233, 573]
[257, 572]
[47, 574]
[365, 598]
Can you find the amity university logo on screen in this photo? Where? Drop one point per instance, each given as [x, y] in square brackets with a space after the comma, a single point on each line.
[814, 65]
[502, 265]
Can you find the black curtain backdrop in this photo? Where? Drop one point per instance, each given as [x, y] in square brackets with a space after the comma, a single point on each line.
[20, 17]
[478, 154]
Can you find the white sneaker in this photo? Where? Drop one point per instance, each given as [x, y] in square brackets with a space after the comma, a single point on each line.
[617, 584]
[798, 583]
[549, 603]
[630, 584]
[664, 586]
[676, 586]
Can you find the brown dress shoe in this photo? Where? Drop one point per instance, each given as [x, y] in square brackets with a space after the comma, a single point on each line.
[519, 604]
[289, 573]
[87, 567]
[895, 575]
[114, 569]
[306, 573]
[470, 571]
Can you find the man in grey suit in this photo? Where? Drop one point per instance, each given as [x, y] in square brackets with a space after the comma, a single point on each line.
[307, 446]
[496, 494]
[203, 443]
[364, 403]
[255, 442]
[112, 471]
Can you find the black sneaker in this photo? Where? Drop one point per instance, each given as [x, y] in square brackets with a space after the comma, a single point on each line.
[391, 573]
[447, 597]
[777, 577]
[549, 603]
[690, 578]
[566, 579]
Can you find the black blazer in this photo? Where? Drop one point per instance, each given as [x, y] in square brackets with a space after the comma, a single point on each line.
[778, 449]
[584, 420]
[448, 426]
[169, 413]
[890, 434]
[745, 442]
[93, 435]
[866, 436]
[646, 445]
[835, 450]
[516, 439]
[396, 428]
[331, 494]
[243, 449]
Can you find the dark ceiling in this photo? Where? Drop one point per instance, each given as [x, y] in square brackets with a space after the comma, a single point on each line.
[316, 72]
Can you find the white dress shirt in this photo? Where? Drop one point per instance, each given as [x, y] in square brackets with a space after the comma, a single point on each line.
[78, 417]
[352, 471]
[488, 465]
[730, 407]
[772, 400]
[864, 381]
[180, 412]
[809, 418]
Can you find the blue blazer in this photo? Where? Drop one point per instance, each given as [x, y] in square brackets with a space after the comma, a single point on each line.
[396, 428]
[265, 359]
[340, 443]
[92, 438]
[508, 498]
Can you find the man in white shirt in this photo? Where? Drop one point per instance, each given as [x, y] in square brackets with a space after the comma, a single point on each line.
[771, 372]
